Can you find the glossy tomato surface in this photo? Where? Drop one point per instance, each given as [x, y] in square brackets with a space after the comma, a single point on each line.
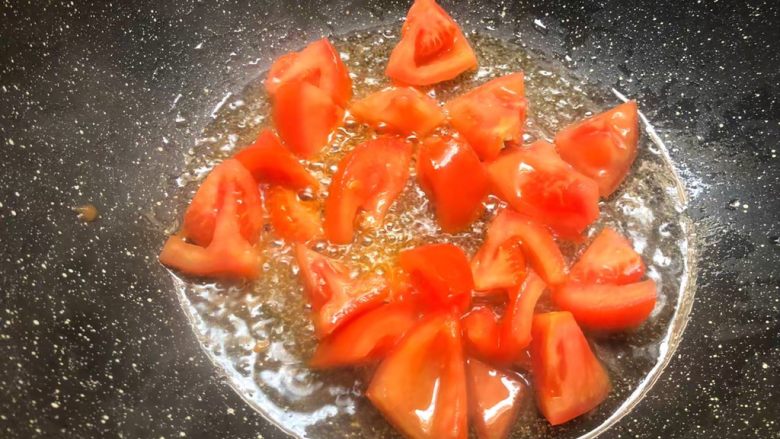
[495, 399]
[293, 219]
[441, 274]
[270, 162]
[432, 47]
[608, 307]
[401, 110]
[610, 258]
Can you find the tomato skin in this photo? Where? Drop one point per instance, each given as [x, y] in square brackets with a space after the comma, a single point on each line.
[270, 162]
[450, 172]
[568, 378]
[335, 297]
[369, 178]
[441, 273]
[510, 233]
[603, 147]
[366, 338]
[516, 324]
[491, 114]
[610, 258]
[482, 334]
[495, 398]
[608, 307]
[401, 110]
[536, 182]
[305, 116]
[432, 47]
[228, 255]
[318, 64]
[421, 386]
[201, 215]
[293, 219]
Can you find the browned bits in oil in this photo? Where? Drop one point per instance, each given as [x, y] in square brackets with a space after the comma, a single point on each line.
[261, 345]
[87, 212]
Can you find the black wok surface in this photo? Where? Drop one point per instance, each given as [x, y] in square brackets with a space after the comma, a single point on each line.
[92, 340]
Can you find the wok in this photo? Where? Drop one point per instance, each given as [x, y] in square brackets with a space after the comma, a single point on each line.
[101, 100]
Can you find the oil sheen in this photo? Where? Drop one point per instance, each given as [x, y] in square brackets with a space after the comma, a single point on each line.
[259, 333]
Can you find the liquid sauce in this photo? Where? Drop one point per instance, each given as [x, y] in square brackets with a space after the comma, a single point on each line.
[260, 333]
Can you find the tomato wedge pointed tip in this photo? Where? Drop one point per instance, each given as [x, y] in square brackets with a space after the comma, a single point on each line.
[401, 110]
[610, 258]
[270, 162]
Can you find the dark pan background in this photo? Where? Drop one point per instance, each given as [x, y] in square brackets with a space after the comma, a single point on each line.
[92, 340]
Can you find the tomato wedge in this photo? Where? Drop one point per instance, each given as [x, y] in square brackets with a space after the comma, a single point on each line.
[608, 307]
[602, 147]
[441, 273]
[482, 333]
[537, 183]
[421, 386]
[366, 338]
[495, 398]
[201, 216]
[305, 116]
[401, 110]
[610, 259]
[511, 239]
[568, 379]
[293, 219]
[432, 47]
[369, 178]
[318, 64]
[228, 255]
[336, 297]
[270, 162]
[516, 324]
[491, 114]
[453, 177]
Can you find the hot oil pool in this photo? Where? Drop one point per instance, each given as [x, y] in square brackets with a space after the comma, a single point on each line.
[260, 334]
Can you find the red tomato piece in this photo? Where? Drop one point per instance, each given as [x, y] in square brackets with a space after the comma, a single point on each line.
[270, 162]
[495, 398]
[491, 114]
[610, 259]
[318, 64]
[482, 333]
[228, 255]
[509, 236]
[453, 177]
[401, 110]
[293, 219]
[366, 338]
[421, 386]
[369, 178]
[201, 216]
[335, 297]
[305, 116]
[516, 324]
[537, 183]
[432, 47]
[441, 273]
[568, 379]
[602, 147]
[608, 307]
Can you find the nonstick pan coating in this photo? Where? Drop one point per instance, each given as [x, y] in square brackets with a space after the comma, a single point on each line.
[99, 101]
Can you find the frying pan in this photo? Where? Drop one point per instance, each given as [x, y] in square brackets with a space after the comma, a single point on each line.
[99, 102]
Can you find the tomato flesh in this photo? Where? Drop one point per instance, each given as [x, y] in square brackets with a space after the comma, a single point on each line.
[432, 47]
[495, 398]
[305, 116]
[318, 64]
[335, 297]
[568, 378]
[536, 182]
[270, 162]
[608, 307]
[510, 237]
[401, 110]
[603, 147]
[456, 181]
[366, 338]
[441, 273]
[516, 324]
[421, 386]
[201, 216]
[293, 219]
[482, 334]
[369, 178]
[610, 258]
[491, 114]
